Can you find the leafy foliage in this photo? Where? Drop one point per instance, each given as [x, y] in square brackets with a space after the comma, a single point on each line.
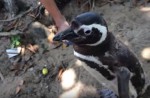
[15, 41]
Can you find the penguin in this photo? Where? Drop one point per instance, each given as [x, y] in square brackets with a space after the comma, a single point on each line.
[104, 55]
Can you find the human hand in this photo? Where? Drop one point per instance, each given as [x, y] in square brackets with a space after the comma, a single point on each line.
[63, 26]
[60, 27]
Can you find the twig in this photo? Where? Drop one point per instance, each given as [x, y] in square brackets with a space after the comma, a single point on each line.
[39, 11]
[10, 33]
[1, 76]
[18, 16]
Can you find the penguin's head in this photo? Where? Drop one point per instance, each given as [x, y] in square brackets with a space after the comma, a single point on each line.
[86, 29]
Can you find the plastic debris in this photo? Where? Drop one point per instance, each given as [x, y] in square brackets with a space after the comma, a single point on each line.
[13, 52]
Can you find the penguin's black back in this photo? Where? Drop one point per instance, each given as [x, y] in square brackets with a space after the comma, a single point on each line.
[128, 59]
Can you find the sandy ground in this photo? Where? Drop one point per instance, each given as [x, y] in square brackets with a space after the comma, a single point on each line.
[130, 26]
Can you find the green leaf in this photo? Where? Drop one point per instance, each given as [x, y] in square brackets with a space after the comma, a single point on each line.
[15, 41]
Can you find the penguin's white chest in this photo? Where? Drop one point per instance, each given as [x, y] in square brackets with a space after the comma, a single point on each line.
[113, 85]
[97, 75]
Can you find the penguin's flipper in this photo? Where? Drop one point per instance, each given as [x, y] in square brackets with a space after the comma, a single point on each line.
[128, 59]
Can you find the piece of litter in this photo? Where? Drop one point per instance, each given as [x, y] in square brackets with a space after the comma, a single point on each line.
[13, 52]
[11, 55]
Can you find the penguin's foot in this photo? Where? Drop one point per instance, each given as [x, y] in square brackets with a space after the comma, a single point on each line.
[107, 93]
[123, 76]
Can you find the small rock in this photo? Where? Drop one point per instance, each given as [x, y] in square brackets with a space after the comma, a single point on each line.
[36, 80]
[29, 90]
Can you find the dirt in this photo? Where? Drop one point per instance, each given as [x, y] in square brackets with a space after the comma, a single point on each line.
[132, 26]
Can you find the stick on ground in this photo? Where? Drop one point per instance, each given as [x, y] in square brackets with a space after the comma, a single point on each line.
[10, 33]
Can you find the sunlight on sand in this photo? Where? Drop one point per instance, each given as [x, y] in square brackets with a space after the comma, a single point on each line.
[74, 88]
[78, 63]
[74, 92]
[126, 43]
[68, 79]
[79, 90]
[146, 53]
[145, 9]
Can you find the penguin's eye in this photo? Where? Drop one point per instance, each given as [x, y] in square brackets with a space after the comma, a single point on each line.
[88, 32]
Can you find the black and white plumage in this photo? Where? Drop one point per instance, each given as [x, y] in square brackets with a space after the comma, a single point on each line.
[101, 51]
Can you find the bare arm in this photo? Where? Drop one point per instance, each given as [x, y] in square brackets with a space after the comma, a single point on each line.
[59, 19]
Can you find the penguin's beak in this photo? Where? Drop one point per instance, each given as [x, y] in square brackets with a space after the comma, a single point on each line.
[68, 34]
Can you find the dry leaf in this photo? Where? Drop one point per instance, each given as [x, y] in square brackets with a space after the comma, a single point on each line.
[33, 48]
[1, 76]
[64, 46]
[18, 89]
[31, 14]
[60, 73]
[52, 31]
[50, 38]
[21, 82]
[23, 50]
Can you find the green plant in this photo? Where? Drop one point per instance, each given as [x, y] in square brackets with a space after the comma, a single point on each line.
[15, 41]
